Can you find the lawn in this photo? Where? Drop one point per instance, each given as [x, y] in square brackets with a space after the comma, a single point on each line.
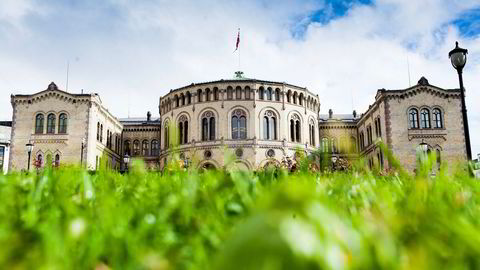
[68, 218]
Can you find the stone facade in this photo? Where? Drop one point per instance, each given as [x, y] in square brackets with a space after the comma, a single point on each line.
[240, 122]
[277, 118]
[5, 134]
[141, 139]
[37, 120]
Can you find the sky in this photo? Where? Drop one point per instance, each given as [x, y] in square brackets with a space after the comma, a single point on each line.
[133, 52]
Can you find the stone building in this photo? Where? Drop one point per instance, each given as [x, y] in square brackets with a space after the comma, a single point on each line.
[240, 122]
[64, 128]
[404, 119]
[141, 139]
[5, 133]
[258, 122]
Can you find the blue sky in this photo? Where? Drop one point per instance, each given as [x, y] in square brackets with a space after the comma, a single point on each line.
[131, 52]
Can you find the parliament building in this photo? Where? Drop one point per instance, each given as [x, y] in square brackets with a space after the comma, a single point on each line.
[239, 123]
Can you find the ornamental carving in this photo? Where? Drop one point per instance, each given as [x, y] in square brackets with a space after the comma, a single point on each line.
[295, 117]
[269, 113]
[207, 154]
[270, 153]
[207, 114]
[182, 118]
[239, 112]
[239, 152]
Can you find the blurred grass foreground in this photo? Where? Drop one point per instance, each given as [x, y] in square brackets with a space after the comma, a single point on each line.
[68, 218]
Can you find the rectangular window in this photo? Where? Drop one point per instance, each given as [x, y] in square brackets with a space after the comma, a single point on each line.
[2, 157]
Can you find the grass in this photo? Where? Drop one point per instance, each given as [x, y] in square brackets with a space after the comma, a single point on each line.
[68, 218]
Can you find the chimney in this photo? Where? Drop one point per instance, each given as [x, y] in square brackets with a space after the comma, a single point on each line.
[354, 114]
[149, 116]
[330, 113]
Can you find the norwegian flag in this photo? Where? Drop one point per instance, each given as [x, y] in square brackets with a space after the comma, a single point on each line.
[238, 40]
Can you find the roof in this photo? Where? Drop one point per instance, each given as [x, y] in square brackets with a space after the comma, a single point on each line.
[338, 117]
[239, 77]
[53, 87]
[139, 121]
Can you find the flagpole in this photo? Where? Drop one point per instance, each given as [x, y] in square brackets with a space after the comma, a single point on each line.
[239, 47]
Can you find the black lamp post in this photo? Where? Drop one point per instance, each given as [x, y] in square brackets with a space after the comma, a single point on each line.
[458, 57]
[81, 154]
[29, 147]
[126, 160]
[186, 163]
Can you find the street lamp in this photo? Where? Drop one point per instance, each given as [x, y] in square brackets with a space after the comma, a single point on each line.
[126, 160]
[81, 154]
[458, 57]
[334, 159]
[29, 147]
[186, 163]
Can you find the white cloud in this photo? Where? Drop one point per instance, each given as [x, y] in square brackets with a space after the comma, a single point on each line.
[132, 53]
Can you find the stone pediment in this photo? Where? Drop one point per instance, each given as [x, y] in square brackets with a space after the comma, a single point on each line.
[52, 91]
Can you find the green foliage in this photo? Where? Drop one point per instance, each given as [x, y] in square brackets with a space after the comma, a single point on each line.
[67, 218]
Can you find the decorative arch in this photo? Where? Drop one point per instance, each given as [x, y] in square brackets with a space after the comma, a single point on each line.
[238, 123]
[269, 161]
[269, 123]
[245, 163]
[295, 122]
[183, 120]
[202, 163]
[208, 120]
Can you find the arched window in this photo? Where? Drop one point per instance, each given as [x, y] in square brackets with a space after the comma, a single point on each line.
[39, 119]
[261, 93]
[425, 118]
[439, 159]
[208, 126]
[51, 123]
[207, 94]
[39, 162]
[325, 145]
[289, 96]
[300, 99]
[269, 125]
[126, 147]
[145, 148]
[311, 128]
[277, 94]
[334, 146]
[62, 123]
[177, 101]
[295, 98]
[229, 93]
[247, 92]
[297, 130]
[269, 93]
[166, 135]
[413, 118]
[182, 97]
[154, 148]
[437, 118]
[239, 124]
[215, 94]
[136, 148]
[57, 160]
[238, 92]
[189, 98]
[266, 127]
[292, 130]
[199, 95]
[183, 129]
